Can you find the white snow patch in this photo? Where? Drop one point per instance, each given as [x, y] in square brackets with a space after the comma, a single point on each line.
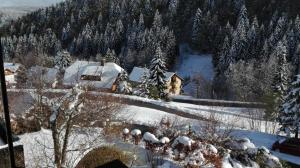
[136, 132]
[150, 137]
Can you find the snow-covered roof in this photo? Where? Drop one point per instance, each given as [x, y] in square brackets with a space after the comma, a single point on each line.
[12, 66]
[137, 74]
[109, 73]
[48, 74]
[93, 70]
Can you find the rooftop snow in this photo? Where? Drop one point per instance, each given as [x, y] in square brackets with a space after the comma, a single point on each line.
[12, 66]
[109, 73]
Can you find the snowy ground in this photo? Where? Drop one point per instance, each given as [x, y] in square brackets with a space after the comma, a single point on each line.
[12, 9]
[263, 139]
[35, 150]
[239, 117]
[148, 116]
[191, 64]
[38, 147]
[28, 3]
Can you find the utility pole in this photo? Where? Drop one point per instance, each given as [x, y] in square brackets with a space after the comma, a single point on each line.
[6, 111]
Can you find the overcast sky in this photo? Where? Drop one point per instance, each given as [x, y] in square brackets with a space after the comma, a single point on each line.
[33, 3]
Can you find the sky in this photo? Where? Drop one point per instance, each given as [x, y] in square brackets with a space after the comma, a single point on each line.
[30, 3]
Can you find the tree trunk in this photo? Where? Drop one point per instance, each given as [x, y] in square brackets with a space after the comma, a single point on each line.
[55, 137]
[66, 141]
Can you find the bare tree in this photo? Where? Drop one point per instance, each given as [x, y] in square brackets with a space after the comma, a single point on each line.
[74, 110]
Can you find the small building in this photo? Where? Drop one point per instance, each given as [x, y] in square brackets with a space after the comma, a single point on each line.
[92, 74]
[11, 68]
[10, 71]
[174, 82]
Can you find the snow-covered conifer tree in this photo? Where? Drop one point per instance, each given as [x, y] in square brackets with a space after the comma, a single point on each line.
[157, 72]
[123, 86]
[157, 22]
[296, 59]
[297, 29]
[197, 25]
[62, 59]
[239, 41]
[290, 114]
[280, 80]
[143, 87]
[111, 56]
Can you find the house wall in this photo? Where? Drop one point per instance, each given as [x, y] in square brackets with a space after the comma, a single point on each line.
[174, 85]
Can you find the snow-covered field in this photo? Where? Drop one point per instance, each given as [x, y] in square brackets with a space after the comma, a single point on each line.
[241, 118]
[38, 147]
[12, 9]
[148, 116]
[191, 65]
[28, 3]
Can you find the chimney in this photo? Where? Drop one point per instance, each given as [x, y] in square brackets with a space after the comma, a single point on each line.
[103, 61]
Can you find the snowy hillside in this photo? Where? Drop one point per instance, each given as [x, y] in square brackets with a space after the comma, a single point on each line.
[29, 3]
[12, 9]
[192, 66]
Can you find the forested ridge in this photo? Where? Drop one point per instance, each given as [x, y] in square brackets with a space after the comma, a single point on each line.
[254, 42]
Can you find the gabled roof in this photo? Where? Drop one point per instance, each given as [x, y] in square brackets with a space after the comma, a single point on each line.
[13, 67]
[109, 73]
[137, 74]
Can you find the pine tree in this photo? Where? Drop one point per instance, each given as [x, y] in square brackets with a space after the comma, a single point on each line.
[62, 60]
[123, 86]
[143, 87]
[197, 29]
[296, 59]
[157, 22]
[280, 80]
[157, 73]
[297, 29]
[239, 41]
[289, 118]
[225, 59]
[111, 56]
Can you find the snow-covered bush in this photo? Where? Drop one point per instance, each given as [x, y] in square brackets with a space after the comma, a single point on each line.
[136, 135]
[62, 60]
[123, 86]
[244, 153]
[125, 134]
[182, 144]
[151, 141]
[265, 159]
